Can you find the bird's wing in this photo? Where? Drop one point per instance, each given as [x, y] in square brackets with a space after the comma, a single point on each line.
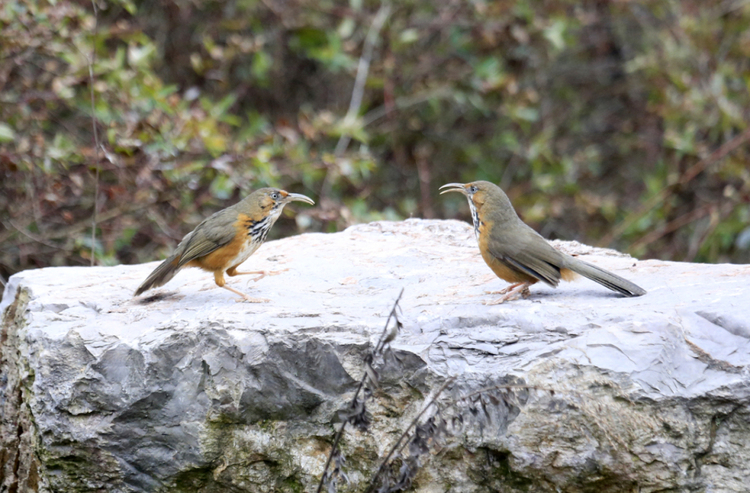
[528, 252]
[205, 239]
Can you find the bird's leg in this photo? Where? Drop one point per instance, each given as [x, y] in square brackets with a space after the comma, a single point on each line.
[515, 291]
[219, 278]
[232, 271]
[245, 297]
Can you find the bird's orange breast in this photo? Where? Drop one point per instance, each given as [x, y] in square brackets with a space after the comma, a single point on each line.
[501, 269]
[233, 253]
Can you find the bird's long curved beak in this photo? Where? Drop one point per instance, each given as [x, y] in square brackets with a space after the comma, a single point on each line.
[298, 197]
[453, 187]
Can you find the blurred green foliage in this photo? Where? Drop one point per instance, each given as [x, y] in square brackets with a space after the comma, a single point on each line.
[622, 124]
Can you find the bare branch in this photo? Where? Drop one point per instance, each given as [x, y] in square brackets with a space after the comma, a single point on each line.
[363, 68]
[403, 103]
[92, 60]
[686, 177]
[427, 405]
[385, 337]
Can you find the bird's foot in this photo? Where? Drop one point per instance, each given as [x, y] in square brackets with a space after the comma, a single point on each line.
[250, 299]
[244, 297]
[264, 273]
[506, 290]
[520, 290]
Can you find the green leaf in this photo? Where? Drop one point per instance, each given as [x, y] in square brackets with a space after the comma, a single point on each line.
[219, 109]
[7, 134]
[222, 187]
[129, 5]
[555, 34]
[526, 114]
[140, 56]
[62, 149]
[346, 28]
[261, 65]
[409, 36]
[307, 38]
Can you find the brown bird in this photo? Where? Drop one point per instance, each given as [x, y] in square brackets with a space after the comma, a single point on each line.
[223, 241]
[518, 254]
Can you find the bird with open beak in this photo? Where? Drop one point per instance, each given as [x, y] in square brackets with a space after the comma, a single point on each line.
[518, 254]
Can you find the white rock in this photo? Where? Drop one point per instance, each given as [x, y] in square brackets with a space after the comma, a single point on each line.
[196, 392]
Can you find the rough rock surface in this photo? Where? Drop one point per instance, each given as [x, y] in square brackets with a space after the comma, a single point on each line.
[192, 391]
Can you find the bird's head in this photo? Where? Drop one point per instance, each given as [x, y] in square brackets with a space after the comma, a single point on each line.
[485, 198]
[271, 201]
[475, 191]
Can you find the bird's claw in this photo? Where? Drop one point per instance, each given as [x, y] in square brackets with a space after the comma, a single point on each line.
[502, 291]
[250, 299]
[510, 293]
[265, 273]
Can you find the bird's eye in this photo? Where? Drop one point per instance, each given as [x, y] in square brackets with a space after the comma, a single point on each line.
[473, 189]
[275, 195]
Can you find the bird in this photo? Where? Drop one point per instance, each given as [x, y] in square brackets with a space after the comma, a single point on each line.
[227, 238]
[518, 254]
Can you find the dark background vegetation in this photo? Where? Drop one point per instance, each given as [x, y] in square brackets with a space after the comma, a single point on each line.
[616, 123]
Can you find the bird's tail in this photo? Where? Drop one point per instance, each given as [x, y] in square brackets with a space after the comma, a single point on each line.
[161, 275]
[603, 277]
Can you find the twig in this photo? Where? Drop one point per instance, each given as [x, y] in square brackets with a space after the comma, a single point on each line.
[686, 177]
[413, 423]
[363, 68]
[425, 181]
[358, 91]
[384, 339]
[92, 60]
[672, 226]
[163, 226]
[400, 444]
[75, 228]
[716, 216]
[384, 335]
[34, 238]
[402, 103]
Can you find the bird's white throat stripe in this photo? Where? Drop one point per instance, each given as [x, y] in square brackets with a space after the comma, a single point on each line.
[475, 218]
